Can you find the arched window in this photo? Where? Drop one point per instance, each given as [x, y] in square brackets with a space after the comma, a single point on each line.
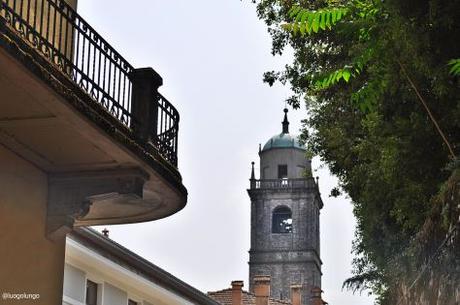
[282, 220]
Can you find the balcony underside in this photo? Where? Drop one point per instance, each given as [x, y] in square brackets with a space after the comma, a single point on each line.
[49, 121]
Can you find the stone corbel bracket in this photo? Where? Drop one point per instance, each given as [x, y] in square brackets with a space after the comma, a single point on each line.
[74, 197]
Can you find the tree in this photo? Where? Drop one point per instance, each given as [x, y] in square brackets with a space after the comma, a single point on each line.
[368, 71]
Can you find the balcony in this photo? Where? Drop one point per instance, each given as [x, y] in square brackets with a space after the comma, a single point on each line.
[267, 188]
[283, 184]
[75, 108]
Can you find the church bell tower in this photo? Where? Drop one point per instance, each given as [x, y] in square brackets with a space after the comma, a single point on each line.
[285, 208]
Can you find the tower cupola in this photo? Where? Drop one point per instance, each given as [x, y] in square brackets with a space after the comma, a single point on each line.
[283, 156]
[284, 139]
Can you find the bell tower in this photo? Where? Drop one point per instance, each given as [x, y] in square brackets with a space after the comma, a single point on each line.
[285, 208]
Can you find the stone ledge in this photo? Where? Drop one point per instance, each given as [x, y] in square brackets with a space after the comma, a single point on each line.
[75, 196]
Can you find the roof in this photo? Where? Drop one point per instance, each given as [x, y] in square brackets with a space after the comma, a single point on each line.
[128, 259]
[282, 140]
[224, 297]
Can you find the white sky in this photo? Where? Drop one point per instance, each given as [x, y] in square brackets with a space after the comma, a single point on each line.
[211, 55]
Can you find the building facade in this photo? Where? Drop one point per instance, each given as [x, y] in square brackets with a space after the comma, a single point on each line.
[285, 209]
[99, 271]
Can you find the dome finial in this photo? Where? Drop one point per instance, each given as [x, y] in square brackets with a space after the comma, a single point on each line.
[285, 122]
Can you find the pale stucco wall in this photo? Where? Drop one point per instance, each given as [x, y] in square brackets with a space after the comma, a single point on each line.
[29, 262]
[295, 159]
[74, 283]
[114, 296]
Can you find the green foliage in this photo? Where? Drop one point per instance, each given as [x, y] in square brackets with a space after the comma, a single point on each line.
[333, 77]
[359, 282]
[308, 22]
[365, 121]
[454, 66]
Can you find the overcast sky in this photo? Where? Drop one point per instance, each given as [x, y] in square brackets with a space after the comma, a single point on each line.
[211, 55]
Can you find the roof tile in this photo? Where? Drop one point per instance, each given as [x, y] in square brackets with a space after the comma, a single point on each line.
[224, 297]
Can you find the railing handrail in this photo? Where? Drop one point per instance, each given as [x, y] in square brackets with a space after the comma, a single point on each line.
[68, 42]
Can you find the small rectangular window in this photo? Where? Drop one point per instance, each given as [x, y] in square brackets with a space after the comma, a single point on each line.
[282, 171]
[91, 293]
[131, 302]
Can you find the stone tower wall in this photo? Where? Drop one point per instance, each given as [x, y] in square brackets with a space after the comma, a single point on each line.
[284, 274]
[289, 258]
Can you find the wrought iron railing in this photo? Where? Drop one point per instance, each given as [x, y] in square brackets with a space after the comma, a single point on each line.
[167, 129]
[68, 42]
[283, 183]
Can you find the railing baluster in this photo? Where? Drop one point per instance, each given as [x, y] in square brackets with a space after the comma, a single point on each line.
[77, 52]
[129, 96]
[54, 28]
[48, 22]
[28, 12]
[99, 68]
[14, 15]
[94, 63]
[113, 80]
[61, 37]
[118, 89]
[20, 8]
[35, 15]
[104, 70]
[83, 51]
[124, 102]
[41, 18]
[109, 78]
[66, 41]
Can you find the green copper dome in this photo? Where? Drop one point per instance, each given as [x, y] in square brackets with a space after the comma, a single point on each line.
[284, 139]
